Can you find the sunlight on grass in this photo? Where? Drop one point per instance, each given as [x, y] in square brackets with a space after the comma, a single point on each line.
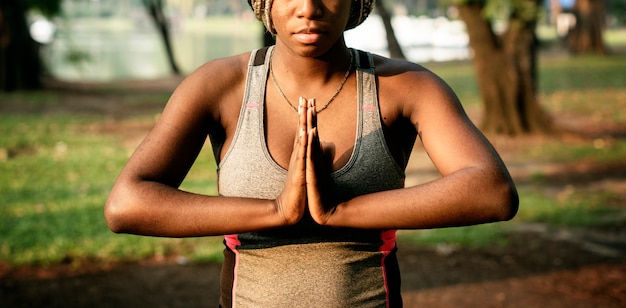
[615, 37]
[601, 151]
[203, 174]
[581, 73]
[472, 236]
[568, 207]
[599, 106]
[461, 78]
[57, 170]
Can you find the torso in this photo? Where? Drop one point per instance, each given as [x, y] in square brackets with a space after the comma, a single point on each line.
[336, 123]
[357, 266]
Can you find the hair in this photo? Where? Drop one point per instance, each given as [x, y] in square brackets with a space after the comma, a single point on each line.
[359, 11]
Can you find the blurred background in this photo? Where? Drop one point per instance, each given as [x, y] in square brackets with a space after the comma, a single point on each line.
[83, 81]
[107, 40]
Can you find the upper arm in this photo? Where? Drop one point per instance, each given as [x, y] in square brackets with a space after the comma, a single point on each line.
[449, 137]
[194, 111]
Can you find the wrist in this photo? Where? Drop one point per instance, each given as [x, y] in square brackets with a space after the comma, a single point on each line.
[284, 216]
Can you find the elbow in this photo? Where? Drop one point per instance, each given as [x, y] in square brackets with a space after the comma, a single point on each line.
[116, 214]
[507, 201]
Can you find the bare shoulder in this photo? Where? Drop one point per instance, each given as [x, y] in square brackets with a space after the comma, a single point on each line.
[228, 67]
[218, 76]
[215, 88]
[409, 88]
[407, 75]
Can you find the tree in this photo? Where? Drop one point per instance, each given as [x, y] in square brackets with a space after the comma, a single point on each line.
[395, 51]
[155, 10]
[506, 65]
[20, 65]
[586, 37]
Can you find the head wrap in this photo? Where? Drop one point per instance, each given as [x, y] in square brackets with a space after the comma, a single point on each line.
[359, 11]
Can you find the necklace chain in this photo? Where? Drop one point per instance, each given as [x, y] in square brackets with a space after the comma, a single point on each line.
[280, 91]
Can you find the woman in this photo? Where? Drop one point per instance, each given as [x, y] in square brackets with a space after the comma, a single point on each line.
[311, 139]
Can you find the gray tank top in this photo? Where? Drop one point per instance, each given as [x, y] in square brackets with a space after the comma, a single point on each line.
[306, 264]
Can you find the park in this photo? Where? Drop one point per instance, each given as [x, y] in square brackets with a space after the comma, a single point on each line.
[63, 145]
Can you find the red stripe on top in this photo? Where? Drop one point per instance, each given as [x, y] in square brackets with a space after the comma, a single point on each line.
[232, 241]
[389, 242]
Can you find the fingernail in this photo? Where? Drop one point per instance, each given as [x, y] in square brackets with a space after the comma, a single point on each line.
[300, 105]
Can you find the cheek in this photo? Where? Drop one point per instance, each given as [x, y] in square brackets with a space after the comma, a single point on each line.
[342, 13]
[278, 17]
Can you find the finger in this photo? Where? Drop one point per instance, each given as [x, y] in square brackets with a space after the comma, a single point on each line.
[312, 143]
[302, 120]
[312, 137]
[311, 114]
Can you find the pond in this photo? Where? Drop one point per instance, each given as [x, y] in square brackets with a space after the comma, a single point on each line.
[92, 50]
[106, 50]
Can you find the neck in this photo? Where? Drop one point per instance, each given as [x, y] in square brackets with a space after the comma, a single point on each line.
[293, 66]
[310, 76]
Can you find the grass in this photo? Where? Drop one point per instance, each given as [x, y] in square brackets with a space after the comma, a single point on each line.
[570, 206]
[584, 73]
[57, 168]
[57, 171]
[472, 237]
[588, 88]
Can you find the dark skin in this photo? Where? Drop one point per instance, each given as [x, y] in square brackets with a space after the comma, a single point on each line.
[309, 61]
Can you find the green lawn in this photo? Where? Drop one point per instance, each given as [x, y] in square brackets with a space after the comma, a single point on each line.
[57, 171]
[57, 168]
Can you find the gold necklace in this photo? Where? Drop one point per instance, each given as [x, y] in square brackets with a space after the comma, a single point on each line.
[280, 91]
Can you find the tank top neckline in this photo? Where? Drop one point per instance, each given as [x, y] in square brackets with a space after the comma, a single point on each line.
[265, 52]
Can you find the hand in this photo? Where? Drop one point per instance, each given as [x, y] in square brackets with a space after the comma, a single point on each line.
[318, 168]
[291, 203]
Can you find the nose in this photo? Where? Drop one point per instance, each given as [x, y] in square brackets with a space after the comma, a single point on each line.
[310, 9]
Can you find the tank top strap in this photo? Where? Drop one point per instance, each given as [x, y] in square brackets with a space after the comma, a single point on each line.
[369, 114]
[248, 146]
[257, 76]
[250, 128]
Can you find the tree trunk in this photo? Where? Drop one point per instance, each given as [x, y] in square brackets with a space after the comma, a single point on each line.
[20, 63]
[155, 10]
[395, 51]
[506, 73]
[586, 37]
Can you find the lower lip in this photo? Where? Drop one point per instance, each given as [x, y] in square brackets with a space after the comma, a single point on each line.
[307, 38]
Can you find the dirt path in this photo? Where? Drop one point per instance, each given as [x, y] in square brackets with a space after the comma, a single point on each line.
[533, 271]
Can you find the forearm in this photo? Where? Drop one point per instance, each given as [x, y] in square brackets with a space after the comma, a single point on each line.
[466, 197]
[155, 209]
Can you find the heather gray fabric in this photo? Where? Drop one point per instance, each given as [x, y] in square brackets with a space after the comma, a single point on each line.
[307, 265]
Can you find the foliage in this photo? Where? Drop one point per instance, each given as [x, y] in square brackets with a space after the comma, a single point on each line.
[45, 7]
[617, 10]
[526, 11]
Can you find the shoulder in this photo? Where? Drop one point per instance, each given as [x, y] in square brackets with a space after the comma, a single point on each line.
[408, 88]
[219, 74]
[402, 73]
[214, 85]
